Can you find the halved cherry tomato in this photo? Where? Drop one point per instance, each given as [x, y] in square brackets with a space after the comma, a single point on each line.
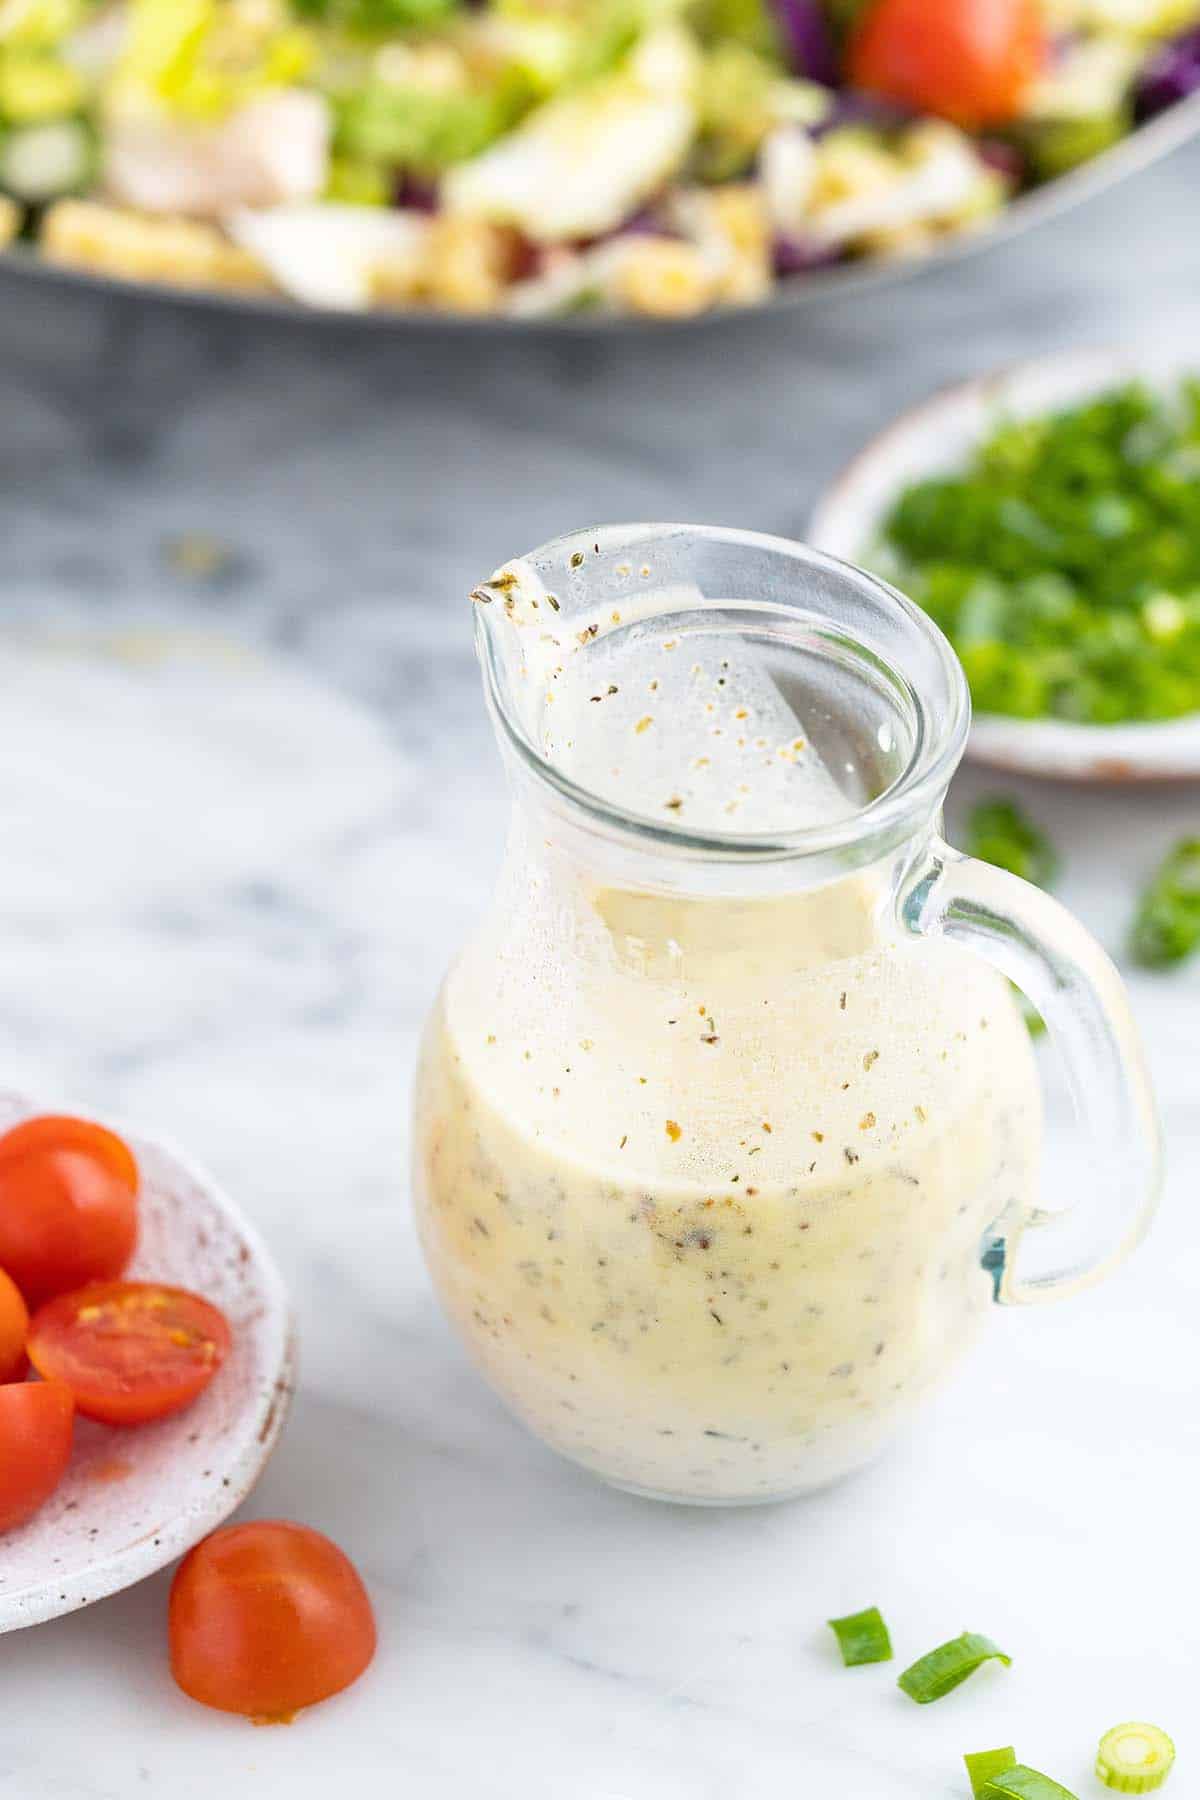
[972, 61]
[36, 1425]
[14, 1323]
[266, 1618]
[68, 1205]
[129, 1351]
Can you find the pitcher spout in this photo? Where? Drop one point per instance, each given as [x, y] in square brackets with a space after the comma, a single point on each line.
[724, 690]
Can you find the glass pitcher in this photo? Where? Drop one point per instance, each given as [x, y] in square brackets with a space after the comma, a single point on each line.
[727, 1121]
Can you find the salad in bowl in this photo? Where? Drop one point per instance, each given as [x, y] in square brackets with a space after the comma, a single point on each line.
[537, 157]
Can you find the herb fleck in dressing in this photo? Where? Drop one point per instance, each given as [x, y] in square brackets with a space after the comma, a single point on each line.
[656, 1305]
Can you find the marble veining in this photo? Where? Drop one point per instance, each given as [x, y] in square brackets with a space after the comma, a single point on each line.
[248, 806]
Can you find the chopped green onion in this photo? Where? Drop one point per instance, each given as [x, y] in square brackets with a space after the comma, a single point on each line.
[1035, 1025]
[1134, 1759]
[1167, 926]
[943, 1670]
[984, 1764]
[1002, 833]
[863, 1638]
[1020, 1783]
[1063, 562]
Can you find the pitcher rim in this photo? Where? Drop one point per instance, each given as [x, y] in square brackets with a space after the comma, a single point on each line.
[939, 741]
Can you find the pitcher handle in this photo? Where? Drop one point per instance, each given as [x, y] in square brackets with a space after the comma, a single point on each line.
[1066, 975]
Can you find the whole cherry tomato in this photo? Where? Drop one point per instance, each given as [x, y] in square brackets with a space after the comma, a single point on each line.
[36, 1426]
[130, 1351]
[68, 1205]
[972, 61]
[14, 1323]
[267, 1618]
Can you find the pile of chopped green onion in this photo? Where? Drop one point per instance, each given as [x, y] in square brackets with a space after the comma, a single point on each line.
[1064, 562]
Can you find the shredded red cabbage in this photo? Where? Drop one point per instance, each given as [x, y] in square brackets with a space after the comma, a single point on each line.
[853, 108]
[643, 223]
[1171, 74]
[807, 39]
[795, 255]
[416, 195]
[1004, 157]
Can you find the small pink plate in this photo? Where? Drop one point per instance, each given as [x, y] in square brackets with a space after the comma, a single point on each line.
[135, 1499]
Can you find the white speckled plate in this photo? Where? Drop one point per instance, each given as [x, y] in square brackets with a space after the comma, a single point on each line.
[938, 436]
[135, 1499]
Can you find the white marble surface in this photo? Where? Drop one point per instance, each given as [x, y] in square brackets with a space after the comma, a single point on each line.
[244, 822]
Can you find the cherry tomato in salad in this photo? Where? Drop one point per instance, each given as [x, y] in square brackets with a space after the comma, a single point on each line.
[14, 1324]
[972, 61]
[267, 1618]
[129, 1351]
[68, 1205]
[36, 1426]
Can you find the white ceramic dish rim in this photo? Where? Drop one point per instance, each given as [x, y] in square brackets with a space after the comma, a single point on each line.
[66, 1593]
[935, 436]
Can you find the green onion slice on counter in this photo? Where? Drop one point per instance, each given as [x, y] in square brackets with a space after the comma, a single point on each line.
[1020, 1783]
[1134, 1759]
[862, 1637]
[1166, 929]
[948, 1666]
[984, 1764]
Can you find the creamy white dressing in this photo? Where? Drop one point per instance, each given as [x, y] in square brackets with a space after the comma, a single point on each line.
[704, 1177]
[708, 1206]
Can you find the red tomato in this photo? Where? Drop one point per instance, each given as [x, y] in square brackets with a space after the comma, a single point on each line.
[972, 61]
[68, 1205]
[14, 1323]
[129, 1351]
[267, 1618]
[36, 1423]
